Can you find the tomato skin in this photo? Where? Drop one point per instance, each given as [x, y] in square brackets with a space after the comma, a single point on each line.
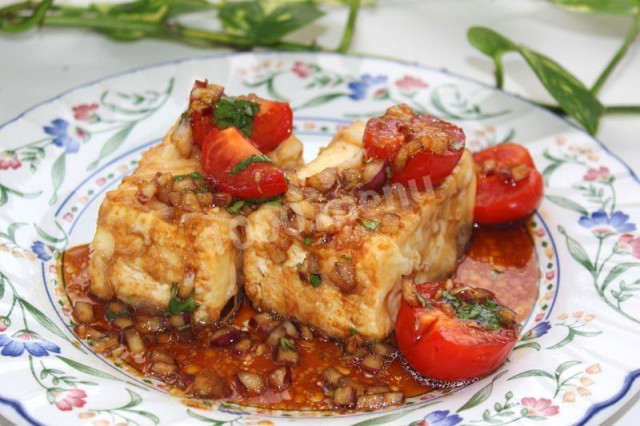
[499, 200]
[382, 138]
[223, 150]
[418, 146]
[272, 125]
[443, 348]
[201, 124]
[427, 165]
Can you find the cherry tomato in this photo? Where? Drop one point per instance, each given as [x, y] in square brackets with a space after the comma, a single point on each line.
[509, 186]
[441, 346]
[418, 146]
[272, 125]
[224, 150]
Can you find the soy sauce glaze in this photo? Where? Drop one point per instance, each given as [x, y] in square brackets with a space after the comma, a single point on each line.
[501, 260]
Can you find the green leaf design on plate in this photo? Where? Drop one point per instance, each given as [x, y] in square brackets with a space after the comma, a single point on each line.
[112, 144]
[482, 395]
[212, 422]
[567, 204]
[615, 273]
[58, 171]
[5, 191]
[86, 369]
[577, 251]
[321, 99]
[388, 418]
[42, 318]
[532, 373]
[570, 93]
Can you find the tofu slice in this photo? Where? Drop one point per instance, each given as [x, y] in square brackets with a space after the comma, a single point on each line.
[433, 229]
[140, 250]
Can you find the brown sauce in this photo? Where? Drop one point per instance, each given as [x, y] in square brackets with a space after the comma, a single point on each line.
[501, 260]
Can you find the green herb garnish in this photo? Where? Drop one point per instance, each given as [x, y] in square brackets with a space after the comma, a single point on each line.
[287, 344]
[370, 225]
[255, 158]
[345, 257]
[201, 190]
[194, 175]
[485, 313]
[233, 112]
[179, 306]
[235, 207]
[315, 280]
[353, 331]
[307, 241]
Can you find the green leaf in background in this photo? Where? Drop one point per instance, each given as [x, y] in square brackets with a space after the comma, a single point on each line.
[570, 93]
[266, 22]
[614, 7]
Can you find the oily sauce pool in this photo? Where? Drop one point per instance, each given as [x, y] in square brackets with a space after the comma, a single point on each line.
[263, 360]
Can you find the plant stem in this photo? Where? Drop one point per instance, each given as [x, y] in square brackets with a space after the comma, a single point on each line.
[28, 23]
[629, 39]
[622, 109]
[499, 72]
[347, 35]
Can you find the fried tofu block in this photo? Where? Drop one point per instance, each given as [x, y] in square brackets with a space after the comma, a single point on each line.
[141, 248]
[349, 277]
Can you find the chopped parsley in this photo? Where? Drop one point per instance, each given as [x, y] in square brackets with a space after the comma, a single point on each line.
[179, 306]
[202, 190]
[345, 257]
[485, 313]
[235, 207]
[255, 158]
[315, 280]
[370, 225]
[307, 241]
[233, 112]
[287, 344]
[353, 331]
[194, 175]
[387, 172]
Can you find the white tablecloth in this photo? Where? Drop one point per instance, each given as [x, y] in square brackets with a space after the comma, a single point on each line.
[41, 64]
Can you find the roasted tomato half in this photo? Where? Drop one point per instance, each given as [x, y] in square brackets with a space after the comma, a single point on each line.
[237, 167]
[420, 148]
[452, 333]
[509, 186]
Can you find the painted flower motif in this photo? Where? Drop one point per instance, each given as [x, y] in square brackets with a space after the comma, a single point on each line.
[360, 87]
[410, 84]
[85, 112]
[24, 339]
[67, 399]
[601, 174]
[41, 250]
[5, 322]
[440, 418]
[381, 93]
[539, 407]
[594, 369]
[629, 244]
[602, 225]
[301, 69]
[59, 130]
[9, 162]
[539, 330]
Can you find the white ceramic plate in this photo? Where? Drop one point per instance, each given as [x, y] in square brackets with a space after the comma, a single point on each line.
[576, 361]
